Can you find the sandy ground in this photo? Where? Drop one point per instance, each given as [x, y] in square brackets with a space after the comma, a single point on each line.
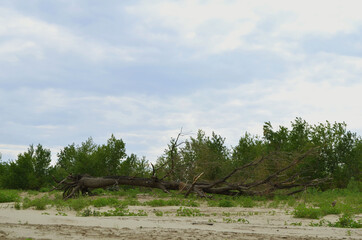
[217, 223]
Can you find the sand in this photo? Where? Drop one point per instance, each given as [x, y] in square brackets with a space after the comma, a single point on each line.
[217, 223]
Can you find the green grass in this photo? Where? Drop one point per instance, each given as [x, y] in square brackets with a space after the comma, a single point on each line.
[171, 202]
[102, 202]
[9, 195]
[188, 212]
[38, 203]
[79, 203]
[120, 211]
[347, 221]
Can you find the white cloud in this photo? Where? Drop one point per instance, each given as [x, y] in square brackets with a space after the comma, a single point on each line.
[28, 36]
[214, 27]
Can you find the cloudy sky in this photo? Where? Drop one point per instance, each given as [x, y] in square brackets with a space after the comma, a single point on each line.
[70, 70]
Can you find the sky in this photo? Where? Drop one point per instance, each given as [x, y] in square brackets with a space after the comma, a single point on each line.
[142, 70]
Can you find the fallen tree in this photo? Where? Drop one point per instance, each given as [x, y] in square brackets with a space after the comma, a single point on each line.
[284, 178]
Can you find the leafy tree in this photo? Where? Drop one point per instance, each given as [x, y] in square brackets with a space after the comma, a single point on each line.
[30, 170]
[200, 154]
[134, 166]
[93, 159]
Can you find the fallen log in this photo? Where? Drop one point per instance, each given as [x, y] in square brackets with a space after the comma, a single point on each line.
[72, 185]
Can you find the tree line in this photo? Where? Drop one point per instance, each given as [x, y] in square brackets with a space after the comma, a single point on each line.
[338, 156]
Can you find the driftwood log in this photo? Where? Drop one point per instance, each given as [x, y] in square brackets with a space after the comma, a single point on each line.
[72, 185]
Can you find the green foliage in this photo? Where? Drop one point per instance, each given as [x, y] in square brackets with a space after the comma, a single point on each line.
[93, 159]
[188, 212]
[226, 203]
[171, 202]
[158, 213]
[102, 202]
[29, 171]
[38, 203]
[346, 221]
[302, 211]
[246, 202]
[119, 211]
[9, 196]
[239, 220]
[134, 166]
[79, 203]
[338, 157]
[200, 154]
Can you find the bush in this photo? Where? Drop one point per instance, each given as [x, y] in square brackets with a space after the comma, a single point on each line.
[8, 196]
[346, 221]
[38, 203]
[302, 211]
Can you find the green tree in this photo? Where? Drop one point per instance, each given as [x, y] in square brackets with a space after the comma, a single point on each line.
[197, 155]
[93, 159]
[134, 166]
[30, 170]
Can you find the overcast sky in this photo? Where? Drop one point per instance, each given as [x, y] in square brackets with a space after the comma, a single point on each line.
[70, 70]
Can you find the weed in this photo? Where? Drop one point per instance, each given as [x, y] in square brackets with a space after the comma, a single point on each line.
[102, 202]
[123, 212]
[171, 202]
[17, 206]
[162, 202]
[158, 213]
[79, 203]
[61, 214]
[226, 214]
[226, 203]
[38, 203]
[88, 212]
[296, 224]
[188, 212]
[346, 221]
[239, 220]
[302, 211]
[246, 202]
[9, 196]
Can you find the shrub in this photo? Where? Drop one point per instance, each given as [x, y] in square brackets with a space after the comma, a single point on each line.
[346, 221]
[9, 196]
[302, 211]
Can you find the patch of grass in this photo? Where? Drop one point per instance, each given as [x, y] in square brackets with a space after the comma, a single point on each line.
[321, 223]
[346, 221]
[226, 203]
[188, 212]
[302, 211]
[130, 202]
[9, 196]
[120, 211]
[158, 213]
[102, 202]
[171, 202]
[17, 206]
[79, 203]
[239, 220]
[246, 202]
[38, 203]
[162, 202]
